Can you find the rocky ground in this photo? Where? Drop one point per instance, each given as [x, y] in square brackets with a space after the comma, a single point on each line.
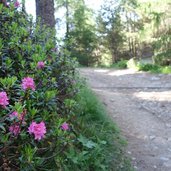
[140, 103]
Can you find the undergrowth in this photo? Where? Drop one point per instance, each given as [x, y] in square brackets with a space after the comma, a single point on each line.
[122, 64]
[95, 124]
[140, 66]
[153, 68]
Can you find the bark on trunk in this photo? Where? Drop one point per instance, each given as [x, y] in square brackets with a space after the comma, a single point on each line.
[67, 18]
[45, 10]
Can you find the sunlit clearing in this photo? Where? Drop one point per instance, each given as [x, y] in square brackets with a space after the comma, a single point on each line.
[121, 72]
[101, 70]
[154, 96]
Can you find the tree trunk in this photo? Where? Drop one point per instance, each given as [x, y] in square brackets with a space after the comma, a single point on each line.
[45, 10]
[67, 18]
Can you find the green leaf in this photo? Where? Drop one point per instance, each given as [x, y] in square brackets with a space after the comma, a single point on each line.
[86, 142]
[2, 127]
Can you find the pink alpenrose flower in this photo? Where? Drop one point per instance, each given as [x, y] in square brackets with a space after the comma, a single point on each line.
[20, 117]
[28, 83]
[40, 65]
[65, 126]
[3, 99]
[15, 129]
[13, 115]
[16, 4]
[39, 130]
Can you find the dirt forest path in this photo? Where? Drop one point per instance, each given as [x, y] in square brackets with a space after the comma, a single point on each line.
[140, 103]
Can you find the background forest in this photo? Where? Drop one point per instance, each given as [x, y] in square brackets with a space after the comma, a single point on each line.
[122, 29]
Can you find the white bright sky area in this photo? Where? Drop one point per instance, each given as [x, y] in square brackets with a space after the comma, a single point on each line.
[30, 5]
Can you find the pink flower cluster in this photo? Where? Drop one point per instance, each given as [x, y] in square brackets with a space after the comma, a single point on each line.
[65, 126]
[40, 65]
[15, 129]
[28, 83]
[38, 130]
[13, 115]
[16, 4]
[20, 117]
[4, 101]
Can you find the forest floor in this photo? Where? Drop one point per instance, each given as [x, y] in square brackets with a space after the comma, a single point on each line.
[140, 103]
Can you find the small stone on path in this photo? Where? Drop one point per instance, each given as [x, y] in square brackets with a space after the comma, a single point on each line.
[155, 78]
[164, 158]
[152, 137]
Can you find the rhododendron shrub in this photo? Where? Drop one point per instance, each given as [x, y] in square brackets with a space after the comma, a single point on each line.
[37, 86]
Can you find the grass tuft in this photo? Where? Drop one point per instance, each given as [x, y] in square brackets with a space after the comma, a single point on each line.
[98, 127]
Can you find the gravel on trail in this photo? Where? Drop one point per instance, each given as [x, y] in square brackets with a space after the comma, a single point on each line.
[140, 103]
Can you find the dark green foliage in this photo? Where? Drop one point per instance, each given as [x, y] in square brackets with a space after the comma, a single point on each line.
[162, 33]
[22, 45]
[82, 37]
[83, 46]
[110, 30]
[121, 64]
[126, 28]
[154, 68]
[100, 139]
[149, 67]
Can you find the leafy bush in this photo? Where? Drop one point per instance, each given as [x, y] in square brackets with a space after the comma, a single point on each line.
[138, 66]
[36, 89]
[149, 67]
[121, 64]
[163, 59]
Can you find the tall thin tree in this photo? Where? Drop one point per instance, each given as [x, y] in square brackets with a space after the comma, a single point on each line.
[45, 11]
